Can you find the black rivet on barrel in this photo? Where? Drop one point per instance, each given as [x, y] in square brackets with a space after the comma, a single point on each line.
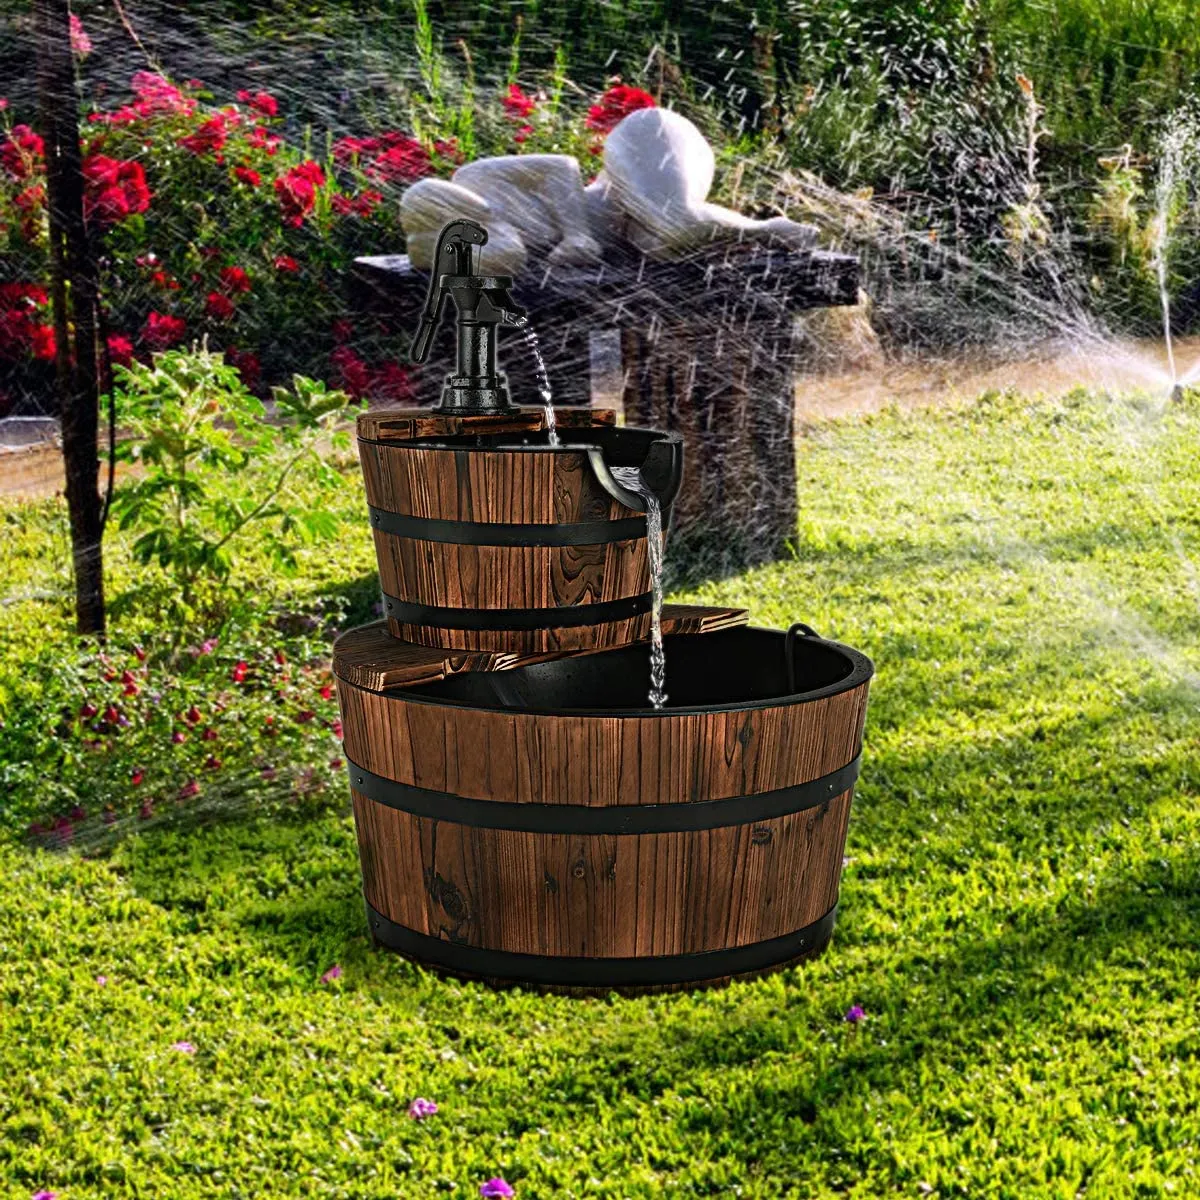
[359, 779]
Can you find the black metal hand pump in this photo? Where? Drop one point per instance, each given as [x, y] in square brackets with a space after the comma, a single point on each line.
[483, 302]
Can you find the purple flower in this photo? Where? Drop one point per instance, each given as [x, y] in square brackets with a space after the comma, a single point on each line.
[334, 972]
[102, 980]
[495, 1187]
[208, 646]
[183, 1047]
[44, 1195]
[855, 1013]
[421, 1108]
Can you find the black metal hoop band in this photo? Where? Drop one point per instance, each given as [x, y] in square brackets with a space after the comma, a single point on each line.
[566, 971]
[563, 617]
[487, 533]
[586, 819]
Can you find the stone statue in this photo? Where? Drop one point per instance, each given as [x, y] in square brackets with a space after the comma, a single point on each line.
[651, 195]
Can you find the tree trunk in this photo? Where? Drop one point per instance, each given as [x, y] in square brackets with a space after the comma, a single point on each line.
[75, 290]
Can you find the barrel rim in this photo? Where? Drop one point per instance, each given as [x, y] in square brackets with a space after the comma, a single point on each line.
[861, 672]
[441, 441]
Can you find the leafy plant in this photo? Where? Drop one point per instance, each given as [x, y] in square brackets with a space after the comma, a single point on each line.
[213, 468]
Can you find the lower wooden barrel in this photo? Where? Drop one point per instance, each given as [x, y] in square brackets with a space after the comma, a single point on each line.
[610, 847]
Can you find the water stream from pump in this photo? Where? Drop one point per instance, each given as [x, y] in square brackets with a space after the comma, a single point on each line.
[631, 478]
[543, 377]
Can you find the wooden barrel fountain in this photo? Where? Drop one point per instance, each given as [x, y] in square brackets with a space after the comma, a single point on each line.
[544, 825]
[524, 812]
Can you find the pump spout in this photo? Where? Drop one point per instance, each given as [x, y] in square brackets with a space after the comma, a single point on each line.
[483, 302]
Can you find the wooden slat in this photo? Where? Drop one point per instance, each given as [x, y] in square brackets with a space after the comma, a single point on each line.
[370, 657]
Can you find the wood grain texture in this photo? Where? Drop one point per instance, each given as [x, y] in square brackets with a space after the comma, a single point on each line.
[609, 895]
[371, 657]
[404, 424]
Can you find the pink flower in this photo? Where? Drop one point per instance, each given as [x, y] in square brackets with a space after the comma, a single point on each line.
[262, 139]
[269, 773]
[248, 175]
[209, 734]
[189, 789]
[218, 306]
[336, 728]
[44, 1195]
[855, 1013]
[261, 102]
[285, 262]
[297, 191]
[421, 1108]
[334, 972]
[156, 95]
[81, 44]
[495, 1188]
[179, 737]
[208, 645]
[615, 105]
[102, 981]
[305, 715]
[183, 1047]
[162, 331]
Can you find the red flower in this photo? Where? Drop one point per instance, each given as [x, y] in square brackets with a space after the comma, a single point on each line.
[161, 331]
[247, 364]
[305, 715]
[391, 382]
[234, 279]
[136, 776]
[218, 306]
[355, 377]
[522, 134]
[297, 191]
[248, 175]
[361, 205]
[23, 153]
[209, 137]
[238, 674]
[139, 654]
[348, 149]
[113, 190]
[615, 105]
[29, 204]
[212, 763]
[209, 734]
[42, 342]
[179, 737]
[336, 727]
[285, 262]
[326, 691]
[161, 279]
[147, 810]
[342, 330]
[517, 105]
[448, 149]
[87, 711]
[120, 350]
[81, 44]
[335, 764]
[404, 161]
[22, 295]
[111, 715]
[261, 102]
[192, 715]
[189, 789]
[262, 139]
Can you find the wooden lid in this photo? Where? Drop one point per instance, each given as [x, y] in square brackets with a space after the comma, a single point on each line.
[369, 657]
[404, 424]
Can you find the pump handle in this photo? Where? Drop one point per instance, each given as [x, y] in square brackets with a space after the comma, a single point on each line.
[457, 254]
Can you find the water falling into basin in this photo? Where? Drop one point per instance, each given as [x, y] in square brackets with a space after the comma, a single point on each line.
[631, 478]
[543, 377]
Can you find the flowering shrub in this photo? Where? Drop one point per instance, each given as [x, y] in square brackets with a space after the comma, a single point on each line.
[148, 732]
[184, 195]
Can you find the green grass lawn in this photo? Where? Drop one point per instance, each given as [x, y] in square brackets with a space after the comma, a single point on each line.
[1020, 912]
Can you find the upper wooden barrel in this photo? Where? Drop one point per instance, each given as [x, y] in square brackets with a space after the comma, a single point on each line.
[489, 538]
[543, 824]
